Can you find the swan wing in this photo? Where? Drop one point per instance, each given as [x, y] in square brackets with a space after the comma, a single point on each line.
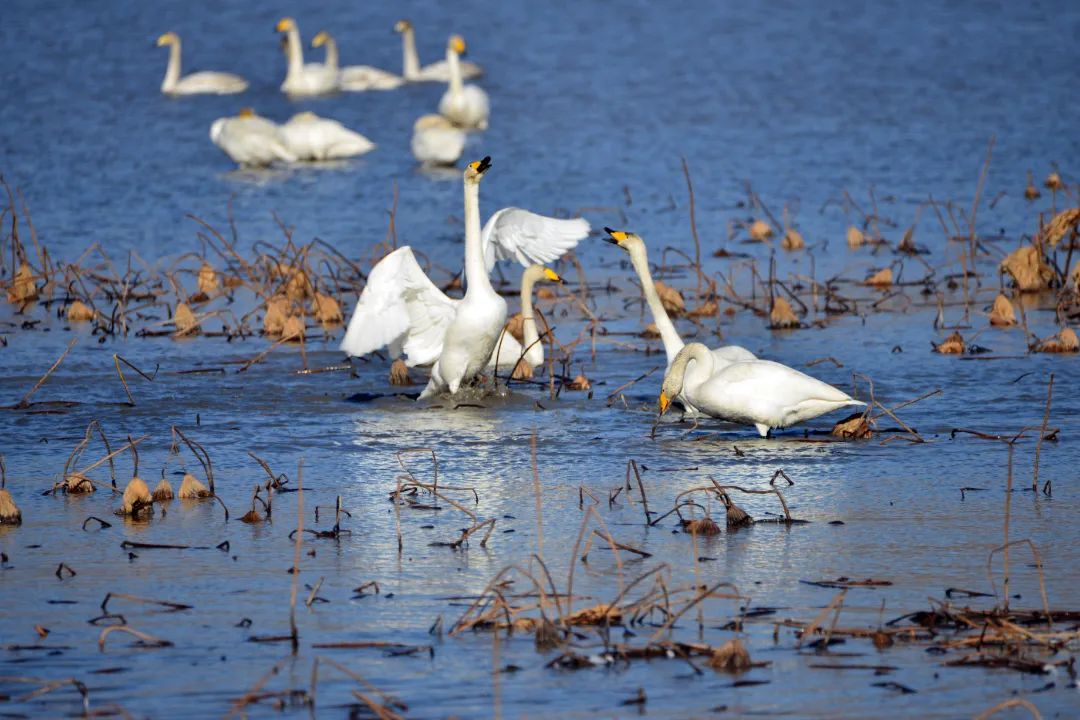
[727, 354]
[516, 234]
[400, 308]
[218, 83]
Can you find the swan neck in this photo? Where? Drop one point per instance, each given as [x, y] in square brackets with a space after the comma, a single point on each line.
[453, 62]
[296, 54]
[409, 59]
[331, 54]
[703, 360]
[668, 335]
[172, 72]
[476, 275]
[534, 350]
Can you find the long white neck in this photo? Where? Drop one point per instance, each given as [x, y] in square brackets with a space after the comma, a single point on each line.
[476, 275]
[172, 72]
[409, 60]
[454, 63]
[668, 335]
[534, 349]
[699, 371]
[296, 55]
[331, 53]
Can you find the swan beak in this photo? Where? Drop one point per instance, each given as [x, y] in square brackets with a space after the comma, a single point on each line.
[164, 39]
[457, 43]
[615, 237]
[283, 25]
[401, 26]
[664, 402]
[553, 276]
[481, 166]
[320, 39]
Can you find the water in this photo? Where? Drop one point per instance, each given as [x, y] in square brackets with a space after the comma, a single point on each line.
[587, 100]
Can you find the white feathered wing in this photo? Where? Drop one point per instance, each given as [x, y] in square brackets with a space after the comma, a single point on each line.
[531, 239]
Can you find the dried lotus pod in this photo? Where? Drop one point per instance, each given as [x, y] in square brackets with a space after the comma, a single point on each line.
[1002, 313]
[782, 315]
[78, 311]
[670, 298]
[760, 230]
[882, 278]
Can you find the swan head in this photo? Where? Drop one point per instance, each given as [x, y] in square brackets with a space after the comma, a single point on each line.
[475, 170]
[402, 26]
[169, 38]
[246, 113]
[628, 241]
[320, 39]
[457, 44]
[539, 273]
[285, 24]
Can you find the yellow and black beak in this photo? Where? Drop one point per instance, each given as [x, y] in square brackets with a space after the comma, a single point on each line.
[665, 402]
[482, 166]
[283, 25]
[615, 237]
[553, 276]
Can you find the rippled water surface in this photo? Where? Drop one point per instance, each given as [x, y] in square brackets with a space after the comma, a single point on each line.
[593, 105]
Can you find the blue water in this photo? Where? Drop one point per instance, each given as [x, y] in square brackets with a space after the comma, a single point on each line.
[593, 107]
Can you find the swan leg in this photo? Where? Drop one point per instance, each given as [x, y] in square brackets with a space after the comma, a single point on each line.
[762, 429]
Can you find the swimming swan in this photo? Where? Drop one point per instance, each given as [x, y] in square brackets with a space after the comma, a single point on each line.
[635, 247]
[200, 83]
[464, 105]
[436, 140]
[761, 393]
[250, 140]
[355, 78]
[435, 72]
[300, 79]
[310, 137]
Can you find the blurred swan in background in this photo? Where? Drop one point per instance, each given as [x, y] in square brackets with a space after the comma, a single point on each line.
[199, 83]
[250, 140]
[300, 79]
[464, 105]
[761, 393]
[355, 78]
[436, 140]
[310, 137]
[435, 72]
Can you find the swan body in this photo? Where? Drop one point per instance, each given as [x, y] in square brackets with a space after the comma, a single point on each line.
[250, 140]
[464, 105]
[400, 307]
[437, 141]
[200, 83]
[508, 351]
[310, 137]
[355, 78]
[697, 372]
[304, 80]
[435, 72]
[761, 393]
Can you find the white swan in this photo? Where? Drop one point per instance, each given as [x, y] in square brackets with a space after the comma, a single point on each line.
[508, 351]
[697, 373]
[435, 72]
[355, 78]
[436, 140]
[761, 393]
[465, 105]
[301, 79]
[310, 137]
[250, 140]
[200, 83]
[400, 307]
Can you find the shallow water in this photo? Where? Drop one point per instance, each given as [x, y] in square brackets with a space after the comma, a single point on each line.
[587, 99]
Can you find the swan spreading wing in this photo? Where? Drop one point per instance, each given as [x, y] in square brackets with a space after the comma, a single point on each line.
[400, 308]
[531, 239]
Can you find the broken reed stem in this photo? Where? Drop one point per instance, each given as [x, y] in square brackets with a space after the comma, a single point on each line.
[252, 695]
[203, 457]
[293, 634]
[1008, 508]
[632, 465]
[1006, 704]
[25, 402]
[693, 226]
[978, 196]
[1038, 566]
[1042, 434]
[837, 601]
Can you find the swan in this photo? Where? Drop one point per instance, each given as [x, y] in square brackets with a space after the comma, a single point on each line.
[400, 307]
[635, 247]
[435, 72]
[250, 140]
[301, 79]
[761, 393]
[508, 350]
[310, 137]
[355, 78]
[436, 140]
[200, 83]
[464, 105]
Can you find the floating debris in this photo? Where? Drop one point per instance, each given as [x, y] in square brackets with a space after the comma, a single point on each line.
[184, 320]
[22, 290]
[326, 310]
[1031, 192]
[856, 238]
[1053, 181]
[952, 345]
[580, 382]
[1060, 225]
[793, 240]
[782, 315]
[137, 501]
[760, 230]
[731, 657]
[192, 489]
[78, 311]
[9, 511]
[278, 309]
[163, 491]
[399, 373]
[882, 278]
[670, 298]
[651, 332]
[515, 325]
[1065, 341]
[293, 331]
[702, 526]
[1028, 269]
[1002, 314]
[208, 279]
[854, 427]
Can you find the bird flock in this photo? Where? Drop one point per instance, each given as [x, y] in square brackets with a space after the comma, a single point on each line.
[253, 141]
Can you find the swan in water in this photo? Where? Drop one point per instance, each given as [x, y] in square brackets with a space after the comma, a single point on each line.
[401, 308]
[508, 350]
[761, 393]
[250, 140]
[435, 72]
[200, 83]
[464, 105]
[355, 78]
[697, 373]
[436, 140]
[310, 137]
[301, 79]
